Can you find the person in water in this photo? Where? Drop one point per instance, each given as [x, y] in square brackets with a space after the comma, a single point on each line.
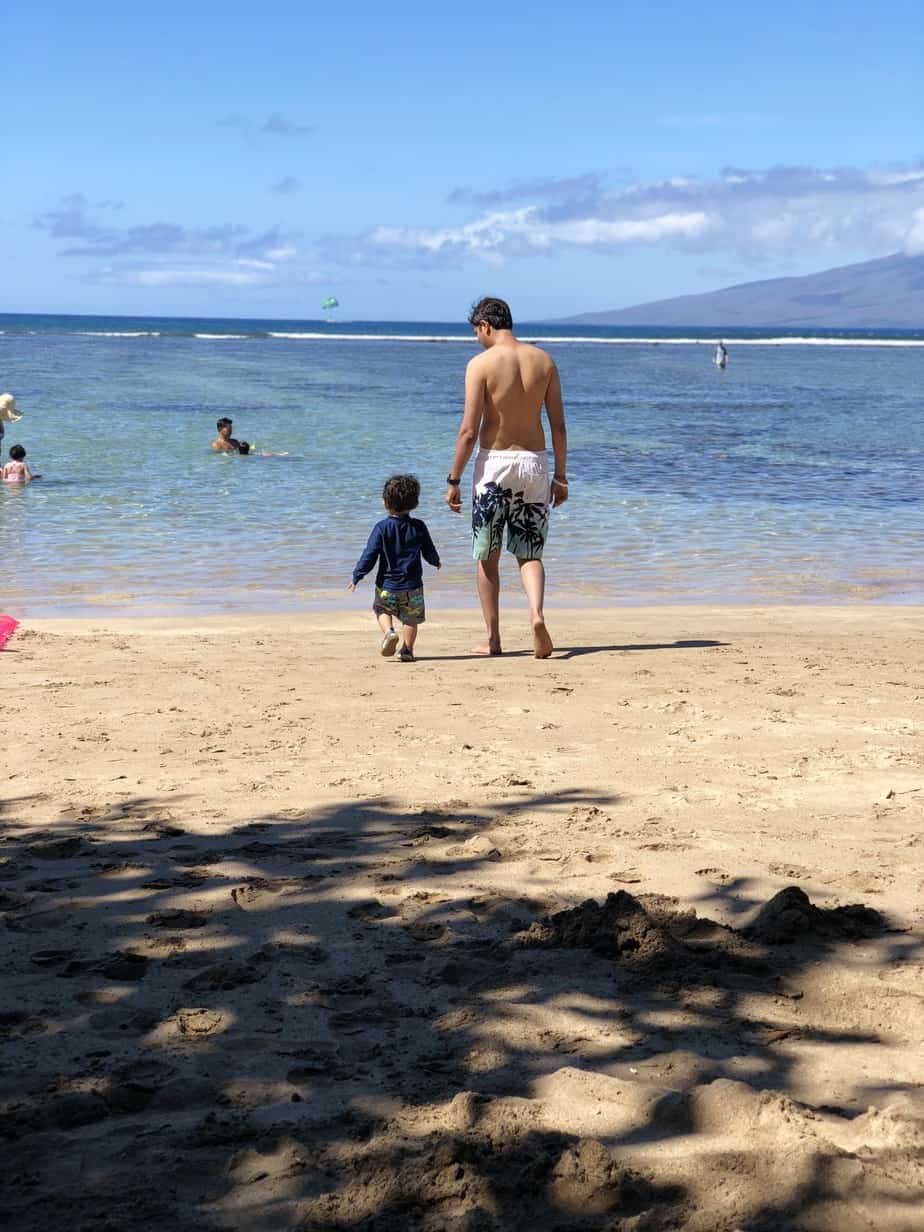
[398, 542]
[17, 470]
[506, 388]
[8, 412]
[224, 442]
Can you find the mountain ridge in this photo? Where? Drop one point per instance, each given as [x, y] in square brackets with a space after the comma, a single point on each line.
[885, 293]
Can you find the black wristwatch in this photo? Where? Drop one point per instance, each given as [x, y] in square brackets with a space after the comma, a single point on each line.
[454, 482]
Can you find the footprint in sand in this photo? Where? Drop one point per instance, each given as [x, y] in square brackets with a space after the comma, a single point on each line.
[223, 977]
[260, 895]
[21, 1022]
[371, 910]
[122, 965]
[200, 1022]
[714, 874]
[52, 958]
[116, 1022]
[11, 901]
[178, 918]
[180, 881]
[59, 848]
[796, 872]
[39, 921]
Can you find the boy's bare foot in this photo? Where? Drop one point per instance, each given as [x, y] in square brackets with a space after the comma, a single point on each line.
[486, 649]
[542, 642]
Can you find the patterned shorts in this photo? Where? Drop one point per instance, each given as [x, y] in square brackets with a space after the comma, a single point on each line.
[511, 489]
[407, 605]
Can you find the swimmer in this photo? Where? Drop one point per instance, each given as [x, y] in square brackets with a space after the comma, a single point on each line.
[16, 470]
[224, 442]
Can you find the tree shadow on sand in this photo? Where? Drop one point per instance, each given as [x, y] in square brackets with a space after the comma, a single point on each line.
[330, 1019]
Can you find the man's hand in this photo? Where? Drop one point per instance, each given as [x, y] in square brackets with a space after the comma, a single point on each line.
[454, 497]
[559, 492]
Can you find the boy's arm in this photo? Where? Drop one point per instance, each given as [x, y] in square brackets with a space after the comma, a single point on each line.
[427, 550]
[468, 429]
[555, 410]
[369, 556]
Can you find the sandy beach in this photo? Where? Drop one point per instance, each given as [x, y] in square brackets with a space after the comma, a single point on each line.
[300, 937]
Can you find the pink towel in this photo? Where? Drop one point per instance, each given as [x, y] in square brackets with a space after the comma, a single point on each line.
[8, 627]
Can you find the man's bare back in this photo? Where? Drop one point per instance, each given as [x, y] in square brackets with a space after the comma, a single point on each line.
[514, 380]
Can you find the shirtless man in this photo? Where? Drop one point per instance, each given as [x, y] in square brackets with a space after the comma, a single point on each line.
[224, 442]
[505, 389]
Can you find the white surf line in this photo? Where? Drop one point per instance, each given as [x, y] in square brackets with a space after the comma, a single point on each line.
[731, 342]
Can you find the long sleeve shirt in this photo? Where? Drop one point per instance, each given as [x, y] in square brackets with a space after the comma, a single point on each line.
[397, 543]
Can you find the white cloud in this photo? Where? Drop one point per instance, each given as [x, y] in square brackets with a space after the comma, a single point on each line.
[780, 211]
[188, 277]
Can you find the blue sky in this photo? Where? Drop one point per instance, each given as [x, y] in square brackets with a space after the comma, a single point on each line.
[232, 160]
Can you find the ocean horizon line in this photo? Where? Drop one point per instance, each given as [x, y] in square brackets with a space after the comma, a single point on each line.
[224, 329]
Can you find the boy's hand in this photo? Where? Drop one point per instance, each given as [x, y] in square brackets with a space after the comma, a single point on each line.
[352, 586]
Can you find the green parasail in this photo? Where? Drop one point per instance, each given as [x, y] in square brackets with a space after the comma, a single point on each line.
[330, 303]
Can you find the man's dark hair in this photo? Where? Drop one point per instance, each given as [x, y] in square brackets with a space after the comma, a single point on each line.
[224, 422]
[401, 493]
[17, 453]
[494, 311]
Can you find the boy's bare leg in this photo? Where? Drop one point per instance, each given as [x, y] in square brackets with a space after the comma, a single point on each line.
[488, 577]
[532, 575]
[385, 621]
[409, 635]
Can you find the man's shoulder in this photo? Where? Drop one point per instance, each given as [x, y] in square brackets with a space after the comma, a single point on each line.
[537, 354]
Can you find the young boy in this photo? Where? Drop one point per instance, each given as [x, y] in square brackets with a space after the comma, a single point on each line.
[397, 543]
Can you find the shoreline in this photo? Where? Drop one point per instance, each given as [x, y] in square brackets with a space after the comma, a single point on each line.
[866, 597]
[803, 616]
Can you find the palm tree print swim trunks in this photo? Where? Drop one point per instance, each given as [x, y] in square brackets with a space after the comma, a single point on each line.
[511, 489]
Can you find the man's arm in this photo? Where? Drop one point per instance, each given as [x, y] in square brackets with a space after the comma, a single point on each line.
[468, 429]
[555, 410]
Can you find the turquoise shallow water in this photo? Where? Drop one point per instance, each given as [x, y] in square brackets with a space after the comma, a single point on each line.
[794, 475]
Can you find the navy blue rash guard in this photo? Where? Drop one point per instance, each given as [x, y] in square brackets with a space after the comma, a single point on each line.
[397, 544]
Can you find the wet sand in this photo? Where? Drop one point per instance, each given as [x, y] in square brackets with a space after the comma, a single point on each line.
[630, 938]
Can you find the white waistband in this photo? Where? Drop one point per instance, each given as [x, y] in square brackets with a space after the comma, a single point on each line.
[514, 453]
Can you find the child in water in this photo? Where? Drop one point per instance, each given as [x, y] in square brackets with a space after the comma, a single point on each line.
[397, 543]
[16, 470]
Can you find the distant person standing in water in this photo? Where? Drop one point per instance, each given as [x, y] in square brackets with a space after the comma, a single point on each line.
[8, 412]
[505, 390]
[721, 355]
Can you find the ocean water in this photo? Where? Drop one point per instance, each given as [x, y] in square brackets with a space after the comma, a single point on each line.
[792, 476]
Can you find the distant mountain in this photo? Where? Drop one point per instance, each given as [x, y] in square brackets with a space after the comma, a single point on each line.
[887, 293]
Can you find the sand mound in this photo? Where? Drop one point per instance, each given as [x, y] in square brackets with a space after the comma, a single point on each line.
[620, 928]
[791, 917]
[647, 934]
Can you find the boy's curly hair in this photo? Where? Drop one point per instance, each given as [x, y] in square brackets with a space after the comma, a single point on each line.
[401, 493]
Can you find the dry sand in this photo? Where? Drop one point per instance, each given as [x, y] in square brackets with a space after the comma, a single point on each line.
[289, 938]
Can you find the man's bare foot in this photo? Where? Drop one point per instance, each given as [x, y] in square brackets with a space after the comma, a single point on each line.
[486, 649]
[542, 643]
